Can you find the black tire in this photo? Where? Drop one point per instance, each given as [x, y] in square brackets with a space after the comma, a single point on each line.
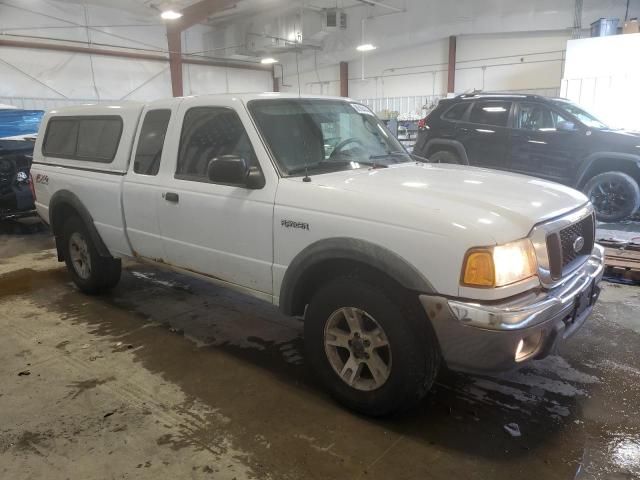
[102, 274]
[414, 357]
[614, 195]
[445, 156]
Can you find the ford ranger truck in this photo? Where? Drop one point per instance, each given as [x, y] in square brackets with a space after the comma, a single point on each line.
[398, 267]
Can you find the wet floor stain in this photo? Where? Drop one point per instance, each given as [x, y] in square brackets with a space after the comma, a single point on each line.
[577, 413]
[78, 388]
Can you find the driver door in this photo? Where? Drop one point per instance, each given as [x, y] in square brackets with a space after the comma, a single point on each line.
[540, 146]
[218, 230]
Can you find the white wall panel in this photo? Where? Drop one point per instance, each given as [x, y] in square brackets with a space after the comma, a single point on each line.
[602, 74]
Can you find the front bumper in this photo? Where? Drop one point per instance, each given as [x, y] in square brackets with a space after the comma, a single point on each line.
[497, 336]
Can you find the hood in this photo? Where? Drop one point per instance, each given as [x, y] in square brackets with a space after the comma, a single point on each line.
[622, 139]
[504, 206]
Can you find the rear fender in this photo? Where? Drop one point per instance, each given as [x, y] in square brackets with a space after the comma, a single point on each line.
[62, 203]
[451, 145]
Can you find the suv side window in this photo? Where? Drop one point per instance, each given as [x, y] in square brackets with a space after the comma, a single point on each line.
[151, 142]
[490, 112]
[207, 133]
[533, 116]
[456, 113]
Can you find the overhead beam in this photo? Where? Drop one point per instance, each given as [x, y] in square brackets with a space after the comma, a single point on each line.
[196, 13]
[57, 47]
[451, 78]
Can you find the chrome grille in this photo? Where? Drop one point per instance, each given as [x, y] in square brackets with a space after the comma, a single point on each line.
[561, 246]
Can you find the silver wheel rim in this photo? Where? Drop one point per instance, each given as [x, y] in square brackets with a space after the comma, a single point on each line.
[357, 349]
[79, 255]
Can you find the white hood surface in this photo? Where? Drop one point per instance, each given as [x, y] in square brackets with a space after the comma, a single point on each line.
[504, 205]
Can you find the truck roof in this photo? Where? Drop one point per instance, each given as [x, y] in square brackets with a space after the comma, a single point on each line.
[107, 108]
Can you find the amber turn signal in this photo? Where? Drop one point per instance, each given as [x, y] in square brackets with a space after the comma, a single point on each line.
[479, 270]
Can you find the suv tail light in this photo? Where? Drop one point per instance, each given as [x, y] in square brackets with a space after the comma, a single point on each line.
[422, 124]
[32, 187]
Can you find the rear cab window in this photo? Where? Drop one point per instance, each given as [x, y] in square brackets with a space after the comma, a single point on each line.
[490, 112]
[151, 142]
[91, 139]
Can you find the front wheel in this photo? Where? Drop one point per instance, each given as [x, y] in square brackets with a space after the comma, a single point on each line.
[614, 195]
[89, 271]
[371, 351]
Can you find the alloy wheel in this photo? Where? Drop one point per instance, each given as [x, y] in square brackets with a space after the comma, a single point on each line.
[357, 348]
[79, 255]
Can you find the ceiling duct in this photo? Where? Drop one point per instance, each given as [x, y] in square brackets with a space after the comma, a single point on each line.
[335, 18]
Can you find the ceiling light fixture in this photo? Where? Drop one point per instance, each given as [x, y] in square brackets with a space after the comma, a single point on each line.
[170, 15]
[366, 47]
[268, 61]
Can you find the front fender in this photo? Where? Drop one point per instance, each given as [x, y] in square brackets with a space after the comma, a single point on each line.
[348, 249]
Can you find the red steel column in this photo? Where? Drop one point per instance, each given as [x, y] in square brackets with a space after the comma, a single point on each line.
[344, 79]
[451, 79]
[174, 42]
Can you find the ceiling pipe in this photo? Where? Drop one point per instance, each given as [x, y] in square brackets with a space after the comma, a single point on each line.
[374, 3]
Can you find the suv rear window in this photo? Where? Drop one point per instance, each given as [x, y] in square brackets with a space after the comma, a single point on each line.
[490, 112]
[456, 112]
[92, 139]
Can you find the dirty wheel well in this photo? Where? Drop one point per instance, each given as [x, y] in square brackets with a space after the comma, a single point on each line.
[603, 165]
[327, 270]
[59, 215]
[442, 148]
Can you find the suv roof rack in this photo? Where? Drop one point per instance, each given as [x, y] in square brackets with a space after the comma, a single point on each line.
[481, 94]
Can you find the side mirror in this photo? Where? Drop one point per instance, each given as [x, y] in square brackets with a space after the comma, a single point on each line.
[234, 170]
[566, 127]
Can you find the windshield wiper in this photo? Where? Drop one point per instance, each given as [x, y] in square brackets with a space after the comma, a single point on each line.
[387, 155]
[325, 164]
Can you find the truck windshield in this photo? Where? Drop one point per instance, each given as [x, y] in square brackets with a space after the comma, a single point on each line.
[585, 117]
[322, 136]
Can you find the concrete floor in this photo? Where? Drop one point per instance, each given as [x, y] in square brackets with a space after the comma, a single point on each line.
[168, 377]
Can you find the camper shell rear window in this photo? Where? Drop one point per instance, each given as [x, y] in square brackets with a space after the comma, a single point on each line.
[91, 139]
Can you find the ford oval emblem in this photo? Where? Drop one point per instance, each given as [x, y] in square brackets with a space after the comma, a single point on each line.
[578, 243]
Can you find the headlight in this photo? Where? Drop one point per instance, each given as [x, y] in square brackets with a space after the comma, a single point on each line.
[499, 266]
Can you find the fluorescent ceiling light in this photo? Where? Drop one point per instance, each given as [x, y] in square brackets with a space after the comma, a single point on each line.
[268, 60]
[170, 15]
[367, 47]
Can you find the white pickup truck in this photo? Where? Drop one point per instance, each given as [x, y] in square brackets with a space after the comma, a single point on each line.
[396, 266]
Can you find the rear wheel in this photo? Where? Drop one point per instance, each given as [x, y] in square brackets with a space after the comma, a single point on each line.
[614, 195]
[89, 271]
[371, 350]
[444, 156]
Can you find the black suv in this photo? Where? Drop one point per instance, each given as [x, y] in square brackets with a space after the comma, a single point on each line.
[16, 189]
[549, 138]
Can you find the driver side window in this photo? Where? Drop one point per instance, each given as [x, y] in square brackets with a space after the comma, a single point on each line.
[207, 133]
[535, 117]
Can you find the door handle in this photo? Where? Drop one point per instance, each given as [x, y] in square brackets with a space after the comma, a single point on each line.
[171, 197]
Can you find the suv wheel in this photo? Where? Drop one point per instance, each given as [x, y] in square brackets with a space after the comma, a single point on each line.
[615, 195]
[444, 156]
[89, 271]
[368, 348]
